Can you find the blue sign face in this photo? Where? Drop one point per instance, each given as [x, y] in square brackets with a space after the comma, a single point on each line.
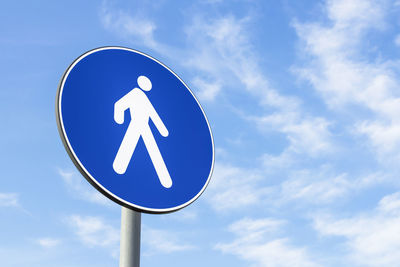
[135, 130]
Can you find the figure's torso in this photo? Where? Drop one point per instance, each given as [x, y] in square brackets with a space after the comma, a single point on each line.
[139, 107]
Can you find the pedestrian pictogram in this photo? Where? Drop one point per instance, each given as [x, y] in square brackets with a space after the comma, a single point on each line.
[141, 111]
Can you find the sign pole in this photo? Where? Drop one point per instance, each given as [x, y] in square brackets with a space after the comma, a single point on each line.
[130, 238]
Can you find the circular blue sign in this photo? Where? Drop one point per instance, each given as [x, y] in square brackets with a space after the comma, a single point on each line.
[134, 130]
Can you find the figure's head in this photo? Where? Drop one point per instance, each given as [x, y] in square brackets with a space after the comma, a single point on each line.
[144, 83]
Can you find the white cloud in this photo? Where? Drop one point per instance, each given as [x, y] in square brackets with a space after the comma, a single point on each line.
[372, 238]
[137, 27]
[48, 242]
[282, 161]
[94, 231]
[397, 40]
[187, 214]
[9, 200]
[255, 243]
[307, 135]
[221, 49]
[299, 181]
[324, 185]
[384, 136]
[356, 14]
[286, 181]
[162, 241]
[280, 181]
[340, 70]
[81, 189]
[234, 188]
[390, 203]
[256, 227]
[207, 91]
[318, 191]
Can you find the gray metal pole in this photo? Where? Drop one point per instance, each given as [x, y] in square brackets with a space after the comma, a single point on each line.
[130, 238]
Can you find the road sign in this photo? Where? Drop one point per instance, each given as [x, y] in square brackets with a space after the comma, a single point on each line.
[134, 130]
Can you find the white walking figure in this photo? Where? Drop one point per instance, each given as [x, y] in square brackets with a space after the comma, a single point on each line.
[141, 111]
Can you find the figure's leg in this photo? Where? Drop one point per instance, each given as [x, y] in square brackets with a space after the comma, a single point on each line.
[156, 158]
[126, 149]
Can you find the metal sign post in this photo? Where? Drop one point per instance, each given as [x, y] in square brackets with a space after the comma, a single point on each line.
[130, 238]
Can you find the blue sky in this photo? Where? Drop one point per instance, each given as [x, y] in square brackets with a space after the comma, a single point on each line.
[302, 97]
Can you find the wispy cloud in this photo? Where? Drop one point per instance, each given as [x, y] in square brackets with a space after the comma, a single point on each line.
[397, 40]
[223, 49]
[48, 242]
[323, 185]
[137, 27]
[81, 189]
[207, 90]
[233, 188]
[371, 237]
[9, 200]
[162, 241]
[307, 135]
[94, 231]
[341, 66]
[256, 242]
[256, 227]
[189, 214]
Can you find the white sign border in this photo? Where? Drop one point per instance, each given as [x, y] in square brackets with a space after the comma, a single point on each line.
[82, 169]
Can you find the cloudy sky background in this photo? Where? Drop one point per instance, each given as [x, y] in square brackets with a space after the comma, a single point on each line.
[303, 98]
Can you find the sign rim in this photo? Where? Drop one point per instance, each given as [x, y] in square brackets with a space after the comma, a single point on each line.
[81, 167]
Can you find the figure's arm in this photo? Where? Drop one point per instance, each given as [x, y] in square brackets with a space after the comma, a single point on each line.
[157, 121]
[119, 109]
